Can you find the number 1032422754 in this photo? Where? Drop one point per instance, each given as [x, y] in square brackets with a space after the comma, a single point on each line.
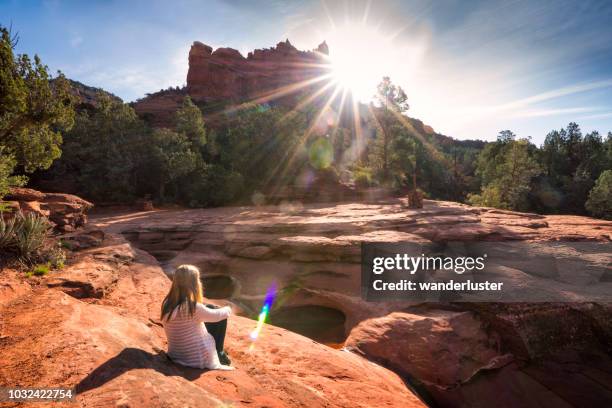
[19, 394]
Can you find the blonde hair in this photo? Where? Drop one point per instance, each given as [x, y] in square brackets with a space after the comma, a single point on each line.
[186, 291]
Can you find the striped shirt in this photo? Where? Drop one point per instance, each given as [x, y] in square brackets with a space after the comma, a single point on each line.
[189, 343]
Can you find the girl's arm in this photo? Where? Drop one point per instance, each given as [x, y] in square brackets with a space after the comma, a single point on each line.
[207, 314]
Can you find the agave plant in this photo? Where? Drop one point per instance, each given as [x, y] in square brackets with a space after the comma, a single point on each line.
[30, 232]
[7, 232]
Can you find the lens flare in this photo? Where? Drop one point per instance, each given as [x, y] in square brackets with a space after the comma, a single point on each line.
[321, 153]
[263, 315]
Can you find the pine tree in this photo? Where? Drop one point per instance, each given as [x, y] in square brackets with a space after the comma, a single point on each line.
[32, 113]
[599, 203]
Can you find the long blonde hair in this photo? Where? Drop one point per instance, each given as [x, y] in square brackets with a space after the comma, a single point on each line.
[186, 291]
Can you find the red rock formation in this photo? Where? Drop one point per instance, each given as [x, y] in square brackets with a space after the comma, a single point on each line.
[66, 211]
[224, 76]
[477, 354]
[95, 326]
[439, 349]
[527, 355]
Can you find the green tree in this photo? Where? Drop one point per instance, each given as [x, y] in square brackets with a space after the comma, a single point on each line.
[393, 101]
[105, 153]
[491, 158]
[32, 112]
[267, 146]
[599, 203]
[572, 163]
[172, 157]
[403, 158]
[507, 169]
[572, 141]
[189, 122]
[554, 156]
[7, 179]
[518, 169]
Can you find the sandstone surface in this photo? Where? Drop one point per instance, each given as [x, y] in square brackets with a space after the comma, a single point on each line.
[454, 356]
[94, 326]
[67, 212]
[462, 352]
[315, 248]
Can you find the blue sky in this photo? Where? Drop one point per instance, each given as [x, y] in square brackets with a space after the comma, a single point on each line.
[470, 68]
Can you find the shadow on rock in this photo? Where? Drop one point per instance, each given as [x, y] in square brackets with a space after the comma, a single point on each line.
[133, 359]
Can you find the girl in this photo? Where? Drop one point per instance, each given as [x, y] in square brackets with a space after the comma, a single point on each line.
[183, 315]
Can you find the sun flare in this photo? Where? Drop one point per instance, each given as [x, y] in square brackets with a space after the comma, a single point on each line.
[360, 56]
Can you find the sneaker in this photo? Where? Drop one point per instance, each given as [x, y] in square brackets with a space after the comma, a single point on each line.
[224, 358]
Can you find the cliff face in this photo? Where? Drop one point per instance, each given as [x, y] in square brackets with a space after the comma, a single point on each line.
[222, 76]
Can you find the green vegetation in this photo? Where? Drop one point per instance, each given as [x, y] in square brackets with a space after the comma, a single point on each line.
[572, 163]
[28, 237]
[109, 154]
[555, 178]
[390, 132]
[33, 113]
[506, 168]
[7, 232]
[112, 155]
[40, 270]
[30, 232]
[105, 152]
[404, 154]
[599, 203]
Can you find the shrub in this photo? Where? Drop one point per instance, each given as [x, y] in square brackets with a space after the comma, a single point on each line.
[31, 231]
[7, 232]
[40, 270]
[363, 177]
[7, 166]
[213, 186]
[25, 235]
[599, 203]
[56, 256]
[490, 197]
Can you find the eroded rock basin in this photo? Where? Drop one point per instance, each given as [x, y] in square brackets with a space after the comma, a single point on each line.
[313, 255]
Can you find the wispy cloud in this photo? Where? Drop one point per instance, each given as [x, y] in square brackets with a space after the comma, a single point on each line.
[553, 112]
[597, 116]
[521, 108]
[76, 40]
[555, 93]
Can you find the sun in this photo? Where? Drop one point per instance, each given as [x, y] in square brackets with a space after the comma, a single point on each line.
[360, 56]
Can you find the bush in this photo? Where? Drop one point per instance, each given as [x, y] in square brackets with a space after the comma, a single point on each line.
[599, 203]
[26, 235]
[363, 177]
[56, 256]
[213, 186]
[40, 270]
[7, 166]
[7, 232]
[31, 232]
[490, 197]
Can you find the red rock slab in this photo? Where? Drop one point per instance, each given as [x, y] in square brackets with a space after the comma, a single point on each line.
[111, 349]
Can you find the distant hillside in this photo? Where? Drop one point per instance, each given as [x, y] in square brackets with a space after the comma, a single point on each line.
[444, 141]
[87, 96]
